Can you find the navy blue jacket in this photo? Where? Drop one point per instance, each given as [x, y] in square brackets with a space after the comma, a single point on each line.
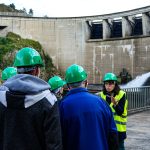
[87, 121]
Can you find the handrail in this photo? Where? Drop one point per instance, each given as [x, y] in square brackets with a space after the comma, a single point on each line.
[138, 98]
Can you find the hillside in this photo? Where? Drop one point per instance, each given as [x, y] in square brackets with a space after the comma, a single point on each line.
[5, 8]
[10, 44]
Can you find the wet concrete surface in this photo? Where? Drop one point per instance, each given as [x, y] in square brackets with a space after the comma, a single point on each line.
[138, 131]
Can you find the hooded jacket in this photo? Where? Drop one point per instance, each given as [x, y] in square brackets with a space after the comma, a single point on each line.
[29, 117]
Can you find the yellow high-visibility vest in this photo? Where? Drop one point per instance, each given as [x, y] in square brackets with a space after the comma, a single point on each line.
[121, 121]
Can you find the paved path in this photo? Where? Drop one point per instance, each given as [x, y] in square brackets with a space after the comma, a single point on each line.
[138, 131]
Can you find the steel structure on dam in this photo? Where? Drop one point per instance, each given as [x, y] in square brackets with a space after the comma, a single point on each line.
[102, 43]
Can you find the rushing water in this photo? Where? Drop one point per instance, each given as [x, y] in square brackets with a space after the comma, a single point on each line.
[142, 80]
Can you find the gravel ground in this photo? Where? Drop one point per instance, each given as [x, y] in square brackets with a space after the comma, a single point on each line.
[138, 131]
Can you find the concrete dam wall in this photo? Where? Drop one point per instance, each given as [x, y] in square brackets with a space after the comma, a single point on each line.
[103, 43]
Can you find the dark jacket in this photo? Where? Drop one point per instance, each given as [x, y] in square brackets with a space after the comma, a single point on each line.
[87, 121]
[29, 118]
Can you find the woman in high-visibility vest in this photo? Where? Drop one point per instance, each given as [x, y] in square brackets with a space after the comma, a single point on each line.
[116, 98]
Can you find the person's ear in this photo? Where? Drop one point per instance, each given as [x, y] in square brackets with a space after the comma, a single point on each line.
[86, 83]
[37, 71]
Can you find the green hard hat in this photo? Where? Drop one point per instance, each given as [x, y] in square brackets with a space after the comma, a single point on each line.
[56, 82]
[8, 72]
[110, 76]
[75, 73]
[27, 57]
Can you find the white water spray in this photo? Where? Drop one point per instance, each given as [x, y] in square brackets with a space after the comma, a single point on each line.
[137, 82]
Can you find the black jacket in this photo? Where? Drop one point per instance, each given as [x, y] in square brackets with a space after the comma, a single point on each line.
[29, 118]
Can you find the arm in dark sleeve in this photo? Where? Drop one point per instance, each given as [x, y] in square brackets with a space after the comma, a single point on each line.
[119, 108]
[113, 141]
[113, 135]
[63, 125]
[52, 129]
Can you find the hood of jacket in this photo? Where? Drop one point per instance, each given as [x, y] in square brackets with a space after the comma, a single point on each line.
[32, 88]
[27, 84]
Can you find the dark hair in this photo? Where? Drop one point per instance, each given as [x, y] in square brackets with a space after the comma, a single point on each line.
[26, 69]
[115, 90]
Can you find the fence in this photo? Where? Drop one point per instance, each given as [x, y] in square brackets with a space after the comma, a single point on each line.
[138, 98]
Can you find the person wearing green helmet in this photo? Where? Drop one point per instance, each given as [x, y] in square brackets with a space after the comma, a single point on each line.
[29, 111]
[56, 86]
[87, 121]
[116, 98]
[28, 61]
[8, 72]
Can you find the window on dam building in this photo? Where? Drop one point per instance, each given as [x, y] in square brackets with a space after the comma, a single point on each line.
[114, 28]
[137, 26]
[2, 27]
[96, 29]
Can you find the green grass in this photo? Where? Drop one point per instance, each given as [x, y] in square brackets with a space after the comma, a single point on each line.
[13, 42]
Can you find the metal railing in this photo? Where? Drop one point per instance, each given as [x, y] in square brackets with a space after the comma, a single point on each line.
[138, 98]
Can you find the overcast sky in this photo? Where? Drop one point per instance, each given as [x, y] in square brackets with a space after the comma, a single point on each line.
[74, 8]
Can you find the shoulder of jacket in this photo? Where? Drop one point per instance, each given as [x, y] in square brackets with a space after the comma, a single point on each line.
[122, 92]
[51, 98]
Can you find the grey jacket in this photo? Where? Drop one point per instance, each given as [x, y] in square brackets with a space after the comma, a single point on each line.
[29, 117]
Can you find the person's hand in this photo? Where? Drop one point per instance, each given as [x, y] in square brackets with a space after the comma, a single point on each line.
[114, 101]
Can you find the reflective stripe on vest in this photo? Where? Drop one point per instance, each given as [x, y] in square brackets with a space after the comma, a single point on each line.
[120, 120]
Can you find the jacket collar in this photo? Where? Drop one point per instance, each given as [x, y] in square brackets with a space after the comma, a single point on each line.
[77, 90]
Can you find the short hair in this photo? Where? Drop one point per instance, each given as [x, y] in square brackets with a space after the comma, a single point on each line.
[25, 69]
[75, 85]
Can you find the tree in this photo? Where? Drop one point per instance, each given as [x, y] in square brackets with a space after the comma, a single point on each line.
[31, 12]
[45, 16]
[12, 6]
[24, 10]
